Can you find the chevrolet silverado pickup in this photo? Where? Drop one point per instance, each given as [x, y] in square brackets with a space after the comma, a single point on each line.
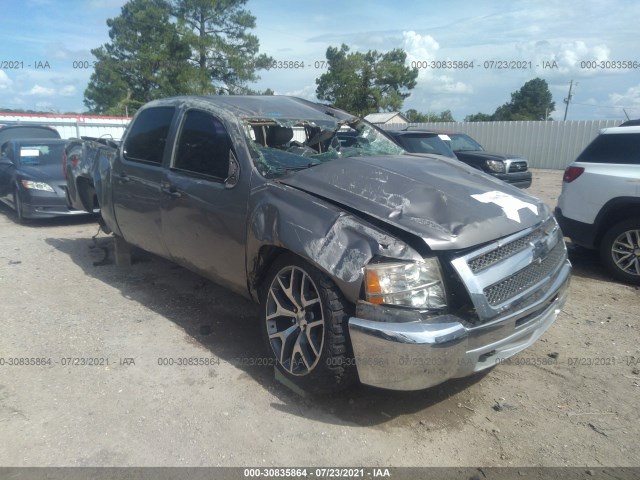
[369, 263]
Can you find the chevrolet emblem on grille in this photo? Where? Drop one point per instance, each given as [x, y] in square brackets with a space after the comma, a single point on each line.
[540, 250]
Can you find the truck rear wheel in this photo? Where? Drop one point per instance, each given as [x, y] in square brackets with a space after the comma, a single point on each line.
[305, 325]
[620, 251]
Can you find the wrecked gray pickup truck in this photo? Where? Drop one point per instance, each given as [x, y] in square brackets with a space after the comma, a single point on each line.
[370, 263]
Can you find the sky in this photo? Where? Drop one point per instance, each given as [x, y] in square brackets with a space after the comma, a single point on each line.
[45, 44]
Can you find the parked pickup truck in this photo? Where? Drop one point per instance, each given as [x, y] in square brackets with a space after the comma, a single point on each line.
[369, 263]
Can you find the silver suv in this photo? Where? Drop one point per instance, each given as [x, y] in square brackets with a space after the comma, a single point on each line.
[599, 207]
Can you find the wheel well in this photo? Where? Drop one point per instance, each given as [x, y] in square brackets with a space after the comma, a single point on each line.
[614, 215]
[87, 194]
[262, 263]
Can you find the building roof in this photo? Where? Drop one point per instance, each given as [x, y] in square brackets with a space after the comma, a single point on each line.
[386, 117]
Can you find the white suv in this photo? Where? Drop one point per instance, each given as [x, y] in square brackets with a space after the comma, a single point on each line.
[600, 202]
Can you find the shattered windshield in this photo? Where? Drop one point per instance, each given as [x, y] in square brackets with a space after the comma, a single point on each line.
[282, 146]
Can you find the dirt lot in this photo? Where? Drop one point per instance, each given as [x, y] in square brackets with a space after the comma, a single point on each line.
[62, 299]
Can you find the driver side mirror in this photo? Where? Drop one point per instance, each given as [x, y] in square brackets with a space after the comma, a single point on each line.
[233, 176]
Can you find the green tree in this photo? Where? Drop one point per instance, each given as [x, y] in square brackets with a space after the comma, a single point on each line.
[145, 59]
[479, 117]
[224, 53]
[443, 116]
[364, 83]
[417, 117]
[160, 49]
[532, 102]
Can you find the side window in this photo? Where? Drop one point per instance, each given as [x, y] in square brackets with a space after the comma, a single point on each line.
[613, 148]
[6, 150]
[148, 136]
[204, 146]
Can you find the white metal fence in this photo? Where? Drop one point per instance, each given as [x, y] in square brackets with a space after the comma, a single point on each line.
[552, 144]
[72, 126]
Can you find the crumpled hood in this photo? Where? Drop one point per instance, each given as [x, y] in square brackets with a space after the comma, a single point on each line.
[446, 203]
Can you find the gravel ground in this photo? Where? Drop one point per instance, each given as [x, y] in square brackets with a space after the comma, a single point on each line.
[63, 298]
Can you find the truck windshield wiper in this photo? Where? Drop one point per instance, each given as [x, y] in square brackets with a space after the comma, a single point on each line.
[298, 167]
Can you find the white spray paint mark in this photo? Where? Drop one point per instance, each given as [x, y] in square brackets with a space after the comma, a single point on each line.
[509, 204]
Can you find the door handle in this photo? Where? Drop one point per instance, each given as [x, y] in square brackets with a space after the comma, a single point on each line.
[124, 178]
[172, 191]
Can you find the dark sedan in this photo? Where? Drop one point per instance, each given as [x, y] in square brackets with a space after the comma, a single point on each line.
[31, 178]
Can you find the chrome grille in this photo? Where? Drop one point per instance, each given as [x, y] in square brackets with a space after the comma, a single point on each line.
[518, 167]
[484, 261]
[509, 274]
[522, 280]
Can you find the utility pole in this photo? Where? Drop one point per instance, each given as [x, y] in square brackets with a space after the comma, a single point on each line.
[568, 99]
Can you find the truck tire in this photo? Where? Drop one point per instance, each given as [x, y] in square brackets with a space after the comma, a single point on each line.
[620, 251]
[304, 322]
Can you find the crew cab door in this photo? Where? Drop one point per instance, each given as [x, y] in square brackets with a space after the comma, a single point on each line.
[204, 217]
[136, 178]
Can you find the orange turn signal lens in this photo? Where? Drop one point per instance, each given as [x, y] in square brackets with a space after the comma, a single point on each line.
[373, 287]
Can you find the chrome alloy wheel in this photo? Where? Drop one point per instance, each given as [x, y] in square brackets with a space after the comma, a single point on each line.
[294, 320]
[625, 252]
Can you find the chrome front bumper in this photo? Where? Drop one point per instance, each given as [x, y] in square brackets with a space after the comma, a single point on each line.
[420, 354]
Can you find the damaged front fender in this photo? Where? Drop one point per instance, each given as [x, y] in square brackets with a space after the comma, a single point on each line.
[337, 243]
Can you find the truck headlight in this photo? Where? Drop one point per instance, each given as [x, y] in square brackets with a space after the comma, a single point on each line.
[407, 284]
[45, 187]
[495, 166]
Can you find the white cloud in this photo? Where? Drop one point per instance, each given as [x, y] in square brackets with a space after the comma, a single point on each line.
[308, 93]
[569, 56]
[630, 100]
[424, 49]
[67, 91]
[575, 52]
[420, 47]
[98, 4]
[5, 81]
[41, 91]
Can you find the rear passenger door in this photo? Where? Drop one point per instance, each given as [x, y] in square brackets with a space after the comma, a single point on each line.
[136, 178]
[204, 219]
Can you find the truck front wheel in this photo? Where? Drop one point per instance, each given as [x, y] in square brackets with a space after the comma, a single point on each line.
[305, 324]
